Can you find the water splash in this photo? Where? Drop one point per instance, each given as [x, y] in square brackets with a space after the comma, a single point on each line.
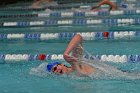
[103, 71]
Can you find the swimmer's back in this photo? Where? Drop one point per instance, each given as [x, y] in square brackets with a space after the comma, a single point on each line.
[83, 68]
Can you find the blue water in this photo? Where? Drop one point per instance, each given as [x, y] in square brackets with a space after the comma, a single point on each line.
[16, 78]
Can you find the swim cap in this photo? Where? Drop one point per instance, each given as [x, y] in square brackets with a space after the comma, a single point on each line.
[124, 5]
[51, 65]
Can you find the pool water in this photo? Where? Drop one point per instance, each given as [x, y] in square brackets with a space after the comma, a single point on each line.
[16, 77]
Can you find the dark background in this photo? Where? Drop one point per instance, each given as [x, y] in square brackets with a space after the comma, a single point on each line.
[5, 2]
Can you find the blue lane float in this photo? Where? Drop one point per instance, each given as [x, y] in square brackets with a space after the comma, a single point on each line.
[14, 58]
[74, 14]
[72, 22]
[107, 35]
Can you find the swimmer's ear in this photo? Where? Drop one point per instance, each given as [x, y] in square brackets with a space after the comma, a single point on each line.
[110, 8]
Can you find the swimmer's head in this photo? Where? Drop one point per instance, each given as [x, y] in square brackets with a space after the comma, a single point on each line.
[124, 5]
[56, 67]
[50, 66]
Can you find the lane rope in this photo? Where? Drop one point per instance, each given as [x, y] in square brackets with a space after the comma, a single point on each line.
[74, 14]
[14, 58]
[107, 35]
[74, 22]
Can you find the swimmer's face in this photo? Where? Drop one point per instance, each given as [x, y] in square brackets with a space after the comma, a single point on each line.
[59, 69]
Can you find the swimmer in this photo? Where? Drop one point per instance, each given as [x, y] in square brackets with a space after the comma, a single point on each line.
[112, 5]
[39, 2]
[83, 67]
[74, 47]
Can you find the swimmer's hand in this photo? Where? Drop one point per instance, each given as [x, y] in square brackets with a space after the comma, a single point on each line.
[94, 7]
[69, 58]
[35, 6]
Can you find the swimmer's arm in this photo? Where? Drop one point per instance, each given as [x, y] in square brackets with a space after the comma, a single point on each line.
[78, 51]
[108, 2]
[37, 3]
[77, 39]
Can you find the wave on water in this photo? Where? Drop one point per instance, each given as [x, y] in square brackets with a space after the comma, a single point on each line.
[103, 71]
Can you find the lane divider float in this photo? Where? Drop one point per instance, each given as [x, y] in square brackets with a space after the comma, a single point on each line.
[14, 58]
[79, 22]
[69, 35]
[74, 14]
